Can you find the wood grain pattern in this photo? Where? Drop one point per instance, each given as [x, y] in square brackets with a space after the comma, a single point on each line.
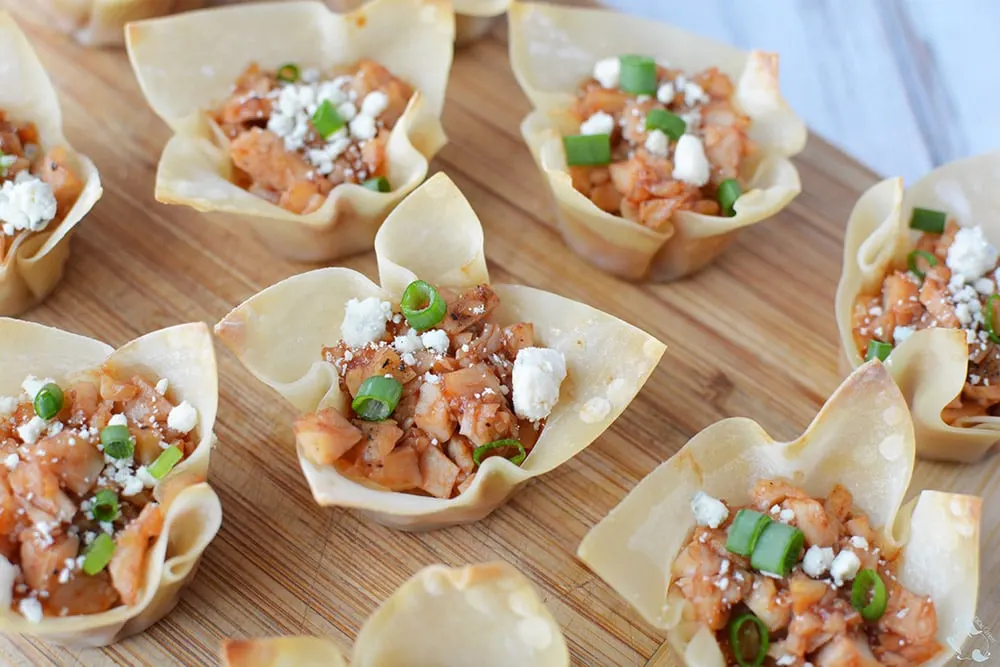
[753, 336]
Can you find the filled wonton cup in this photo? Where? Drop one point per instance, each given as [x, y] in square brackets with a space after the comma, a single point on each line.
[184, 356]
[435, 236]
[863, 440]
[930, 366]
[553, 49]
[102, 22]
[475, 18]
[187, 64]
[33, 265]
[438, 602]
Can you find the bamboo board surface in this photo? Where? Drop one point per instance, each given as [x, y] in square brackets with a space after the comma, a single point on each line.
[752, 336]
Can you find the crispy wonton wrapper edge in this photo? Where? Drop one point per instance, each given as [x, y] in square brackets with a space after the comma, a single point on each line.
[576, 38]
[184, 355]
[930, 367]
[633, 548]
[186, 65]
[33, 266]
[102, 22]
[435, 235]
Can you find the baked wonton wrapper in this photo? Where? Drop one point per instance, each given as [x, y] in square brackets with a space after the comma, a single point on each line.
[187, 64]
[185, 357]
[931, 366]
[33, 265]
[102, 22]
[862, 439]
[485, 615]
[435, 236]
[554, 48]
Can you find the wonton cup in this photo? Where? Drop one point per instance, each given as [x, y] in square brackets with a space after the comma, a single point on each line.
[32, 267]
[931, 366]
[102, 22]
[435, 236]
[438, 602]
[187, 64]
[192, 513]
[553, 49]
[861, 439]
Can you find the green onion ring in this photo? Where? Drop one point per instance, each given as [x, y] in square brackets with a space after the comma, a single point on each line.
[736, 641]
[48, 401]
[911, 261]
[670, 124]
[117, 441]
[928, 220]
[326, 120]
[778, 549]
[878, 350]
[869, 596]
[989, 317]
[377, 184]
[288, 73]
[637, 75]
[517, 459]
[587, 150]
[422, 305]
[98, 554]
[105, 505]
[729, 191]
[165, 462]
[377, 398]
[745, 531]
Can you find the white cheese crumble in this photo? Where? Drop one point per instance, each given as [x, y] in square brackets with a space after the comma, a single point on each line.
[690, 163]
[436, 340]
[433, 379]
[599, 123]
[118, 420]
[31, 431]
[8, 404]
[817, 561]
[31, 609]
[182, 418]
[538, 373]
[364, 321]
[844, 567]
[708, 511]
[363, 128]
[26, 203]
[694, 94]
[11, 461]
[971, 255]
[658, 143]
[132, 486]
[162, 386]
[374, 104]
[900, 334]
[665, 93]
[148, 481]
[786, 659]
[608, 71]
[408, 343]
[859, 542]
[33, 385]
[786, 515]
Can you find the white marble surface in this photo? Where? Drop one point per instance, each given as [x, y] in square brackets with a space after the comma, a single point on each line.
[902, 85]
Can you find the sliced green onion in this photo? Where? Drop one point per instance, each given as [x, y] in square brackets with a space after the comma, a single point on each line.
[878, 350]
[98, 554]
[869, 596]
[422, 305]
[778, 549]
[165, 462]
[105, 505]
[753, 639]
[911, 261]
[990, 318]
[928, 220]
[379, 184]
[516, 459]
[638, 75]
[326, 120]
[587, 150]
[729, 191]
[377, 398]
[669, 123]
[288, 73]
[117, 441]
[745, 531]
[48, 401]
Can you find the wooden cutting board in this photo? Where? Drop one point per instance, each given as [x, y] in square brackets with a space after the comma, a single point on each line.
[752, 336]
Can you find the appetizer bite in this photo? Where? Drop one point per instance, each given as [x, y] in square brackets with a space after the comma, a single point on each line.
[427, 401]
[475, 18]
[311, 138]
[102, 22]
[755, 552]
[658, 145]
[919, 290]
[45, 186]
[436, 602]
[105, 508]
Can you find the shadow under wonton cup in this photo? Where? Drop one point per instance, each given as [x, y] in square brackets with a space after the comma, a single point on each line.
[861, 439]
[32, 266]
[185, 357]
[436, 602]
[930, 366]
[187, 64]
[102, 22]
[435, 236]
[553, 50]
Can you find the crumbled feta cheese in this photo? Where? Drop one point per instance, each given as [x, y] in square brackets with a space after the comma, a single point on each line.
[33, 385]
[162, 386]
[665, 93]
[599, 123]
[6, 162]
[374, 103]
[658, 143]
[786, 515]
[31, 609]
[31, 431]
[844, 566]
[690, 163]
[538, 373]
[347, 111]
[433, 379]
[363, 128]
[607, 71]
[722, 584]
[11, 461]
[148, 481]
[817, 561]
[408, 343]
[132, 486]
[724, 567]
[436, 340]
[984, 286]
[8, 404]
[26, 203]
[786, 659]
[971, 255]
[775, 510]
[694, 94]
[118, 420]
[182, 418]
[899, 334]
[107, 527]
[708, 511]
[859, 542]
[364, 321]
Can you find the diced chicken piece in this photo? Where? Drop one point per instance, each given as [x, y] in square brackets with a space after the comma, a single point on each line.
[725, 148]
[82, 594]
[810, 517]
[594, 98]
[74, 460]
[113, 389]
[846, 652]
[62, 178]
[765, 602]
[262, 155]
[303, 197]
[43, 556]
[459, 450]
[805, 592]
[486, 422]
[469, 308]
[38, 489]
[371, 76]
[325, 436]
[433, 414]
[519, 336]
[839, 503]
[908, 616]
[714, 83]
[82, 399]
[375, 361]
[768, 493]
[379, 440]
[901, 297]
[438, 473]
[936, 298]
[400, 471]
[476, 383]
[149, 406]
[131, 546]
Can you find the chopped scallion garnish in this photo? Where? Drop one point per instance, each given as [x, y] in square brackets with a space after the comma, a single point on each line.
[378, 184]
[778, 549]
[745, 531]
[878, 350]
[377, 398]
[587, 150]
[729, 191]
[326, 120]
[48, 401]
[990, 316]
[638, 75]
[99, 554]
[422, 305]
[288, 73]
[869, 596]
[105, 505]
[509, 443]
[165, 462]
[928, 220]
[749, 639]
[911, 261]
[117, 441]
[669, 123]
